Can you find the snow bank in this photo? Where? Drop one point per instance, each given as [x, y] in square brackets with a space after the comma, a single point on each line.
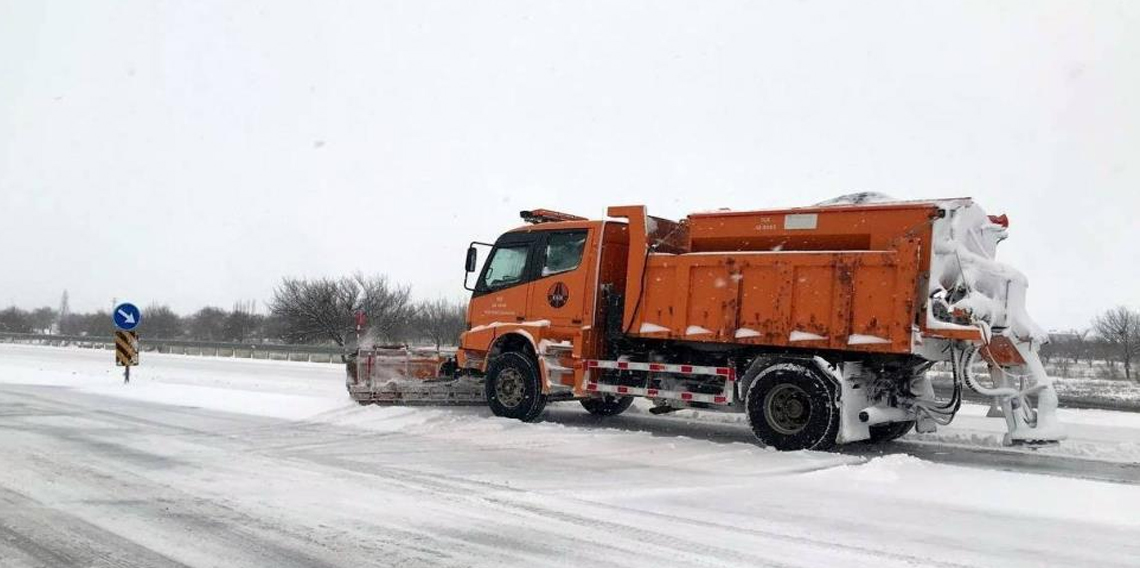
[315, 392]
[278, 389]
[893, 477]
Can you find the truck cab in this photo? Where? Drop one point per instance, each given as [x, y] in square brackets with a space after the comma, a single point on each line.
[539, 288]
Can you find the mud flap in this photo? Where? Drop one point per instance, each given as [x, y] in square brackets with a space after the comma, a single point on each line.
[852, 399]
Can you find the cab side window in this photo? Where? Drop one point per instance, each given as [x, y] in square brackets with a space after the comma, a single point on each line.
[506, 267]
[563, 252]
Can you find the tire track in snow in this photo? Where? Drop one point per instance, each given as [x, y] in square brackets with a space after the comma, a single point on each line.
[697, 552]
[36, 534]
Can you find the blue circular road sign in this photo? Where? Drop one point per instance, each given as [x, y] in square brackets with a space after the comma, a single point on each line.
[127, 316]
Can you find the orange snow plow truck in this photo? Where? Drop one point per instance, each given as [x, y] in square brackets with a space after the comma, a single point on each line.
[819, 322]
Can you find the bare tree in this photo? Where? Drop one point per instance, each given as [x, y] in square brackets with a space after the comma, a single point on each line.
[388, 307]
[1067, 346]
[273, 328]
[1079, 346]
[1119, 328]
[441, 321]
[160, 322]
[242, 322]
[208, 324]
[42, 319]
[15, 320]
[93, 324]
[324, 309]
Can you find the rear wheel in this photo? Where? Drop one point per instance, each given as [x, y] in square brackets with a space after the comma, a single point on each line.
[607, 405]
[791, 406]
[513, 387]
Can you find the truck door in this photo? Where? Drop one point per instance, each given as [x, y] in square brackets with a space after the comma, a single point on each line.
[561, 292]
[503, 287]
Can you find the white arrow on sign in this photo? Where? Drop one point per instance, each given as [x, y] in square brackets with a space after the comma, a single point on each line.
[127, 317]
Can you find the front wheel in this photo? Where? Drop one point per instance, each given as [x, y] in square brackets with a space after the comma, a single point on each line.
[791, 406]
[513, 387]
[607, 405]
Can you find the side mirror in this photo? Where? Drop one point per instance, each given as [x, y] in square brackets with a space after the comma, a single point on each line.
[472, 257]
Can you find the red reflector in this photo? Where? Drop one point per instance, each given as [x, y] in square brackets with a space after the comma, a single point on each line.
[592, 387]
[723, 371]
[720, 399]
[623, 365]
[686, 368]
[686, 396]
[656, 367]
[651, 392]
[592, 363]
[623, 390]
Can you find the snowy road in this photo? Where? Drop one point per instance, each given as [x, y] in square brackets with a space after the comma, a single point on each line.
[218, 462]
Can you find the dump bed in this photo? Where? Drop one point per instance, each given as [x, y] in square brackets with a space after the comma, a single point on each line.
[840, 277]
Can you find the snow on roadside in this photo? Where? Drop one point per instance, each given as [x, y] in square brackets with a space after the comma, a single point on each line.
[435, 473]
[1003, 492]
[277, 389]
[315, 392]
[1103, 435]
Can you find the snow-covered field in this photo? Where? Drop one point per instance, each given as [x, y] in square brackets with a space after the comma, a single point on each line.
[229, 462]
[1076, 385]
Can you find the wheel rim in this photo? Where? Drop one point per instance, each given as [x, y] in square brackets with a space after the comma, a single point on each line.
[787, 409]
[509, 387]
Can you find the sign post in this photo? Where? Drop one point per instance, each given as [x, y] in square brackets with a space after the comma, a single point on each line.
[126, 317]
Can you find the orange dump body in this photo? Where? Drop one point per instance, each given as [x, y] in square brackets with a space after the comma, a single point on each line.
[849, 278]
[845, 278]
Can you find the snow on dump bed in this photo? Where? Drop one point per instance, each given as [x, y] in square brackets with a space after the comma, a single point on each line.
[858, 198]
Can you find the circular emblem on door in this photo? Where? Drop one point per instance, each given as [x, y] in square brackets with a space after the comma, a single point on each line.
[558, 294]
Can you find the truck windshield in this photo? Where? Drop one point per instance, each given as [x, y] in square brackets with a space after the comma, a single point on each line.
[506, 266]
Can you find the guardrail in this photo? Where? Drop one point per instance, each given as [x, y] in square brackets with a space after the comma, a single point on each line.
[274, 351]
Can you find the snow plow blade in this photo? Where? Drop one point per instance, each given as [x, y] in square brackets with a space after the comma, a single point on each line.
[401, 376]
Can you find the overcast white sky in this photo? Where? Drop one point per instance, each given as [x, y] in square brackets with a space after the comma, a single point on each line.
[192, 153]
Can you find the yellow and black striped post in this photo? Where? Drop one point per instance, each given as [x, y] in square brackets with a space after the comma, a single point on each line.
[126, 352]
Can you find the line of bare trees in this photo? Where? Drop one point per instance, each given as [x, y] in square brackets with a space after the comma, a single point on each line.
[1113, 337]
[324, 310]
[240, 324]
[328, 310]
[309, 311]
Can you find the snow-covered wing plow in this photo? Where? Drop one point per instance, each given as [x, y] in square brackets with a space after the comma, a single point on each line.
[970, 291]
[381, 375]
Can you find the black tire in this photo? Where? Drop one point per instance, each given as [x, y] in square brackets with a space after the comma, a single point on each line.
[607, 405]
[889, 431]
[513, 387]
[791, 406]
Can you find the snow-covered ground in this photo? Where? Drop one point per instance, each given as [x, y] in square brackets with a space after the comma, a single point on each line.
[229, 462]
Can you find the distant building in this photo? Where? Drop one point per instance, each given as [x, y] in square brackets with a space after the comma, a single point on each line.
[1061, 336]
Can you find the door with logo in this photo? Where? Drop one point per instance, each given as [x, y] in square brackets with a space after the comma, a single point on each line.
[502, 291]
[561, 291]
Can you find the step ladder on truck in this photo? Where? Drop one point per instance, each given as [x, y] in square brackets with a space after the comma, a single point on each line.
[819, 323]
